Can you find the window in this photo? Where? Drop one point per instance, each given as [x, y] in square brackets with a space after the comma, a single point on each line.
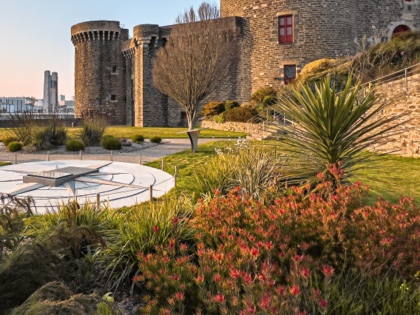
[114, 69]
[113, 97]
[289, 73]
[286, 29]
[183, 115]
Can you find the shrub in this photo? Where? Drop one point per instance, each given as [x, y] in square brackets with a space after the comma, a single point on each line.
[259, 95]
[269, 100]
[331, 126]
[138, 139]
[231, 105]
[213, 108]
[74, 145]
[111, 143]
[314, 252]
[240, 114]
[156, 139]
[220, 118]
[247, 105]
[14, 146]
[93, 129]
[9, 140]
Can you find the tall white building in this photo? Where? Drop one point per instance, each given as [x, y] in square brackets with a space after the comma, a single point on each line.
[51, 101]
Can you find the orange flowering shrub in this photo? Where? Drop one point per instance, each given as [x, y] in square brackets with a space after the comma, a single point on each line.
[279, 256]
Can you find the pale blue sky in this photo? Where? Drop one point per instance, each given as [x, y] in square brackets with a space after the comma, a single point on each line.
[35, 36]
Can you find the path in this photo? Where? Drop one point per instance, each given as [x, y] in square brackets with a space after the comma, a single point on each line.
[168, 147]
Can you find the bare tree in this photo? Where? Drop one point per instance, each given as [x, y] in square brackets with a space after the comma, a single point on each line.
[206, 11]
[193, 63]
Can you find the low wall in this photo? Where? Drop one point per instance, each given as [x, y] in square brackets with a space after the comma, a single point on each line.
[230, 126]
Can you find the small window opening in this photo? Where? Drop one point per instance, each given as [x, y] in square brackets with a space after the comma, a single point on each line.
[183, 115]
[289, 73]
[114, 69]
[113, 97]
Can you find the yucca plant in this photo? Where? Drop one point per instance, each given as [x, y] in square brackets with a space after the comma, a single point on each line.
[334, 127]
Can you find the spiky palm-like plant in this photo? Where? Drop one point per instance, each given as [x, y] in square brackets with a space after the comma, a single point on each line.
[334, 127]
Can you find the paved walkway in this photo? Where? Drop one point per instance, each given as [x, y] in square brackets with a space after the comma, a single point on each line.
[168, 147]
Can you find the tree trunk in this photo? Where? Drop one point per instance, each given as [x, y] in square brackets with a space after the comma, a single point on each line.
[190, 119]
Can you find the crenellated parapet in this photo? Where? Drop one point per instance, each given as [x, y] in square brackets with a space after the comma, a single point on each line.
[98, 31]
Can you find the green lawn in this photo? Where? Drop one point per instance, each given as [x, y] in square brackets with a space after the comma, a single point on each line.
[389, 176]
[4, 163]
[128, 132]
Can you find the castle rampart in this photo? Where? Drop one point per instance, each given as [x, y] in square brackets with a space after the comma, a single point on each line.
[277, 39]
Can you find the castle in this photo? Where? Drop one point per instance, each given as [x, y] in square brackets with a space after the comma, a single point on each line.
[277, 39]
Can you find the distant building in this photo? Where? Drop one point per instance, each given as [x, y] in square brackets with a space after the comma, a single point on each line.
[12, 105]
[50, 92]
[66, 103]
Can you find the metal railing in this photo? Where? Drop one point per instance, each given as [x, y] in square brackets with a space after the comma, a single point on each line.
[398, 83]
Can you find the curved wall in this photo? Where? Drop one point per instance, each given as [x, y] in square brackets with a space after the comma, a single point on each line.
[100, 83]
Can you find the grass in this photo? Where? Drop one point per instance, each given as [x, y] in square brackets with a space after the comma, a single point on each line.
[389, 176]
[5, 163]
[165, 133]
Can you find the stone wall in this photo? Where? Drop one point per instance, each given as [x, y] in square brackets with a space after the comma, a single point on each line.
[406, 100]
[230, 126]
[322, 29]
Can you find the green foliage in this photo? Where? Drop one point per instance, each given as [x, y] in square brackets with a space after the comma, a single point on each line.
[137, 139]
[220, 118]
[111, 143]
[140, 229]
[156, 139]
[269, 100]
[9, 140]
[106, 306]
[74, 145]
[258, 96]
[14, 146]
[92, 131]
[213, 108]
[39, 134]
[254, 169]
[332, 128]
[55, 298]
[231, 105]
[240, 114]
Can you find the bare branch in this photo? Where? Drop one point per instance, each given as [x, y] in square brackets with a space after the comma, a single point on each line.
[206, 11]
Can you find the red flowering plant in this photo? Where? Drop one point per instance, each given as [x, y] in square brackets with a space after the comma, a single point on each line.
[280, 256]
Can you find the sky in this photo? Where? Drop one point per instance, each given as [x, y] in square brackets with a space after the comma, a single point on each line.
[35, 36]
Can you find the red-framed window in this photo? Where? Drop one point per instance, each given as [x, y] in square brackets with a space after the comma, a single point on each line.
[286, 29]
[289, 73]
[183, 115]
[113, 97]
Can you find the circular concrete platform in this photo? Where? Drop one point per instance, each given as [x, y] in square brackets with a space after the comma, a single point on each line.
[52, 183]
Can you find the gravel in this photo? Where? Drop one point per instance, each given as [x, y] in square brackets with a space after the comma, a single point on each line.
[89, 150]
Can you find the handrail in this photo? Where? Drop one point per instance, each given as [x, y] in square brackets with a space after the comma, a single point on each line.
[393, 73]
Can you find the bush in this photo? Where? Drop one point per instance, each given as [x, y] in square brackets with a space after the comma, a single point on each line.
[138, 139]
[93, 129]
[213, 108]
[316, 253]
[74, 145]
[156, 139]
[269, 100]
[247, 105]
[231, 105]
[111, 143]
[240, 114]
[220, 118]
[258, 96]
[14, 146]
[9, 140]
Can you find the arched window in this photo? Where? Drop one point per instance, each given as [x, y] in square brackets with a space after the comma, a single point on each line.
[401, 29]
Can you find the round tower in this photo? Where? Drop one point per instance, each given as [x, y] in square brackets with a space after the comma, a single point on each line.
[284, 36]
[100, 69]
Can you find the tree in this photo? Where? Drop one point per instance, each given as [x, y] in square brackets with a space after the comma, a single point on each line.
[195, 60]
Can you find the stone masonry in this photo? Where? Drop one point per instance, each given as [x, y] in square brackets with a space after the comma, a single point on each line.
[114, 73]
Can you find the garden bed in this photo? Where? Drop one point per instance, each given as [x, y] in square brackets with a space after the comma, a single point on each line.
[90, 150]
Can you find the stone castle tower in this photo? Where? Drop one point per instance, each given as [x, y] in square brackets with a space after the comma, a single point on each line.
[277, 39]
